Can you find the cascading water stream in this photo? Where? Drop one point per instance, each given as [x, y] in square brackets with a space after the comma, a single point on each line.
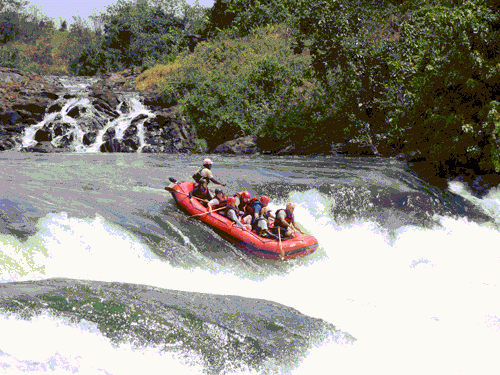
[81, 121]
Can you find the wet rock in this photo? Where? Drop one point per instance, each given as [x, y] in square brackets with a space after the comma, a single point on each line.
[482, 184]
[107, 99]
[43, 135]
[89, 138]
[157, 102]
[54, 108]
[124, 108]
[169, 132]
[76, 112]
[136, 119]
[61, 129]
[113, 145]
[109, 135]
[35, 106]
[238, 146]
[149, 149]
[130, 145]
[67, 140]
[43, 147]
[130, 132]
[7, 143]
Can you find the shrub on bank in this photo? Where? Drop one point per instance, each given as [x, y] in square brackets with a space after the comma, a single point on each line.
[228, 87]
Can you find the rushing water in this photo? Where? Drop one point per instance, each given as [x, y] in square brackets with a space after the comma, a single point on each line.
[410, 272]
[72, 127]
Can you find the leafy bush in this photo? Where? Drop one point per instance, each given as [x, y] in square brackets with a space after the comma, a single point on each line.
[229, 87]
[242, 16]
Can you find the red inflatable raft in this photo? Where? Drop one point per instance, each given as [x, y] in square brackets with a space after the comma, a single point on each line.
[248, 241]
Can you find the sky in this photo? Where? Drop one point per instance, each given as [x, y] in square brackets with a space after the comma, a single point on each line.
[66, 9]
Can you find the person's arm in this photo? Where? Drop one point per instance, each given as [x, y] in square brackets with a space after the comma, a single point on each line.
[216, 182]
[281, 218]
[213, 202]
[234, 218]
[294, 226]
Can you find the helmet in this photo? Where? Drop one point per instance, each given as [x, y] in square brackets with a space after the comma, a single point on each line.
[290, 205]
[218, 191]
[264, 199]
[207, 162]
[231, 200]
[245, 195]
[202, 181]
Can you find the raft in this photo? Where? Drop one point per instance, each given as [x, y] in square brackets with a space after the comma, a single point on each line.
[248, 241]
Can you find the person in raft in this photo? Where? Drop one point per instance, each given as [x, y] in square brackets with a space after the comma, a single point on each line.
[261, 224]
[231, 213]
[253, 209]
[201, 191]
[285, 220]
[206, 173]
[219, 202]
[242, 201]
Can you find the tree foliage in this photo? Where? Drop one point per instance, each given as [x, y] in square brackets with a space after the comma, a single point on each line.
[229, 87]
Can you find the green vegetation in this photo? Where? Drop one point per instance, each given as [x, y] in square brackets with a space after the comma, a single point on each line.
[306, 73]
[230, 86]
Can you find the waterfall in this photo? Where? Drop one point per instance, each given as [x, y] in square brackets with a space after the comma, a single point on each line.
[82, 120]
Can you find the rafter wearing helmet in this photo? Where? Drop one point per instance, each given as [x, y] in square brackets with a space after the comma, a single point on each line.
[201, 191]
[205, 172]
[231, 214]
[219, 201]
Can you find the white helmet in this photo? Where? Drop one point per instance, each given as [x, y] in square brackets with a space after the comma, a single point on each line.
[207, 162]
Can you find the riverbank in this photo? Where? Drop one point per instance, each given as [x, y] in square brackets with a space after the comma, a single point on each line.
[28, 97]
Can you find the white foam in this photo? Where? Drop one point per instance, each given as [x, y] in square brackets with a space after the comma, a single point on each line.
[55, 345]
[425, 301]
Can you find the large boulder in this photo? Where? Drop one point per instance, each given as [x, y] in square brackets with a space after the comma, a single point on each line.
[238, 146]
[89, 138]
[24, 100]
[169, 132]
[109, 135]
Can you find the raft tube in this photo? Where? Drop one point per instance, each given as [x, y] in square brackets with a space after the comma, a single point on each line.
[248, 241]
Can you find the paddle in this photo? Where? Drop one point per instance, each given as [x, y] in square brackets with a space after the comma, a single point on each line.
[282, 253]
[180, 192]
[204, 213]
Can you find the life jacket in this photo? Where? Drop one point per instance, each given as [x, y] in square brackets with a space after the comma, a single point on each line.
[242, 206]
[197, 175]
[202, 193]
[222, 203]
[290, 218]
[250, 208]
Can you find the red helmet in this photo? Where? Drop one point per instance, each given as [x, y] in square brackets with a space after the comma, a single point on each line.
[264, 199]
[245, 195]
[231, 200]
[207, 162]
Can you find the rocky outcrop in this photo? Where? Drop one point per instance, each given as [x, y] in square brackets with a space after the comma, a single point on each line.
[25, 98]
[238, 146]
[169, 132]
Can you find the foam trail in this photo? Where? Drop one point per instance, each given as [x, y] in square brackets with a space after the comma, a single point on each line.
[490, 204]
[78, 348]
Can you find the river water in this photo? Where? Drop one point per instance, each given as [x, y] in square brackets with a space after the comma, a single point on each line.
[409, 271]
